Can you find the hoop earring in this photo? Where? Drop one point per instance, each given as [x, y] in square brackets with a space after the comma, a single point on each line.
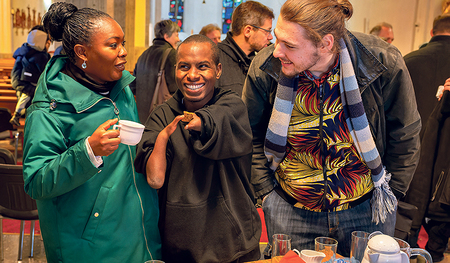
[84, 65]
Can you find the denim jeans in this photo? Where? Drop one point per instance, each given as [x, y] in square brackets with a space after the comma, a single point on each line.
[304, 226]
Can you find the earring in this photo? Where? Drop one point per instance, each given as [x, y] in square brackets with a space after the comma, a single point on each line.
[84, 65]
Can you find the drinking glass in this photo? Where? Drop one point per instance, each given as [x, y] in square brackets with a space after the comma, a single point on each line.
[359, 244]
[328, 246]
[405, 247]
[281, 244]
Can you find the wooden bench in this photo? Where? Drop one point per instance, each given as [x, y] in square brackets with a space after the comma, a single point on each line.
[6, 66]
[9, 102]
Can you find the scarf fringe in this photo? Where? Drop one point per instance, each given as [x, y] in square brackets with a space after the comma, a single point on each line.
[383, 201]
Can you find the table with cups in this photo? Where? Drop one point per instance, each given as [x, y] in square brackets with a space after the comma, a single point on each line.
[365, 248]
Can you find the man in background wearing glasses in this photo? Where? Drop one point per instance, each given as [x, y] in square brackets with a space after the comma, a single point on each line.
[251, 31]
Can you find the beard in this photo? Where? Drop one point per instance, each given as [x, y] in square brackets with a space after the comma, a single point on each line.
[295, 69]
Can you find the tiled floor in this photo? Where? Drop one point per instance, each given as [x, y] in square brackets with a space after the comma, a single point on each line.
[11, 249]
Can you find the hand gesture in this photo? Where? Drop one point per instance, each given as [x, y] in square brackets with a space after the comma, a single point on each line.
[104, 142]
[195, 124]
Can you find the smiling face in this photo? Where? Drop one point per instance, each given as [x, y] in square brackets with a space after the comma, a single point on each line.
[105, 55]
[196, 73]
[295, 51]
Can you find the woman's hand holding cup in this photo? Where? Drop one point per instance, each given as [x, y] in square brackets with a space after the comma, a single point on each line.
[103, 141]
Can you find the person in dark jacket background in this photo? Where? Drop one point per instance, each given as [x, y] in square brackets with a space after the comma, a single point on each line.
[251, 31]
[429, 66]
[202, 167]
[430, 187]
[147, 66]
[31, 59]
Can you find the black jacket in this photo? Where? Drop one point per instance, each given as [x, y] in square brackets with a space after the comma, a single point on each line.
[206, 203]
[430, 187]
[146, 73]
[387, 94]
[235, 64]
[429, 67]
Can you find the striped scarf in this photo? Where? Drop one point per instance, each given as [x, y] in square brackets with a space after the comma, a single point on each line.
[383, 200]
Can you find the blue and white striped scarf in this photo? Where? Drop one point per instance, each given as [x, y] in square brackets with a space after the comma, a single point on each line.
[383, 200]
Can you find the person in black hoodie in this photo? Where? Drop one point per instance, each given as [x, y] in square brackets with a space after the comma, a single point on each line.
[31, 59]
[147, 66]
[202, 167]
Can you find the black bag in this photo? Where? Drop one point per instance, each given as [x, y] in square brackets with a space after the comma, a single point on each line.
[161, 93]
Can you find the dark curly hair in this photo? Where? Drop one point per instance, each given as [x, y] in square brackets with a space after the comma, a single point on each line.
[65, 22]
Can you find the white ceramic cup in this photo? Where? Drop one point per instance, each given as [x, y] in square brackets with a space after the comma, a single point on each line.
[130, 132]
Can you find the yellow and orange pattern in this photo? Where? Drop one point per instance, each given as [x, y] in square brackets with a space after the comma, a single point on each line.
[301, 172]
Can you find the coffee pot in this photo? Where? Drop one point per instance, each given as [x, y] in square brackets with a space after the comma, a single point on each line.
[384, 249]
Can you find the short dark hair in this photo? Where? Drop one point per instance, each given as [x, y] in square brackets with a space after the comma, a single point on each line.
[166, 27]
[65, 22]
[203, 39]
[208, 28]
[441, 24]
[249, 13]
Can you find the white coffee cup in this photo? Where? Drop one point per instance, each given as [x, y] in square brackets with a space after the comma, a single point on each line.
[130, 131]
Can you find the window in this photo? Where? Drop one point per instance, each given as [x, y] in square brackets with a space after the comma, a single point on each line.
[176, 12]
[227, 11]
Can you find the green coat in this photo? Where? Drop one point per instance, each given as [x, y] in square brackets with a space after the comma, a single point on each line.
[86, 214]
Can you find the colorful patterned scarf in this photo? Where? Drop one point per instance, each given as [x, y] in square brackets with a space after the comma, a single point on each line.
[383, 200]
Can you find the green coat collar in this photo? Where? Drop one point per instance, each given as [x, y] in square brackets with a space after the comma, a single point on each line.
[60, 88]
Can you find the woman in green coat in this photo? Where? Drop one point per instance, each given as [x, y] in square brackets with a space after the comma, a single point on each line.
[93, 206]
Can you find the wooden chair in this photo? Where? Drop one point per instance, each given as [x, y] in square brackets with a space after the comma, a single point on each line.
[15, 203]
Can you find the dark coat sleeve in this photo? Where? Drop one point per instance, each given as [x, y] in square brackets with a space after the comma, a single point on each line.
[226, 131]
[403, 124]
[258, 95]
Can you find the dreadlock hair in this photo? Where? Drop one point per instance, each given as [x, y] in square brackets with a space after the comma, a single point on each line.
[65, 22]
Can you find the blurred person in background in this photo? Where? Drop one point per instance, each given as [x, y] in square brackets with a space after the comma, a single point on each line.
[251, 31]
[148, 64]
[31, 59]
[384, 31]
[429, 66]
[430, 188]
[212, 31]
